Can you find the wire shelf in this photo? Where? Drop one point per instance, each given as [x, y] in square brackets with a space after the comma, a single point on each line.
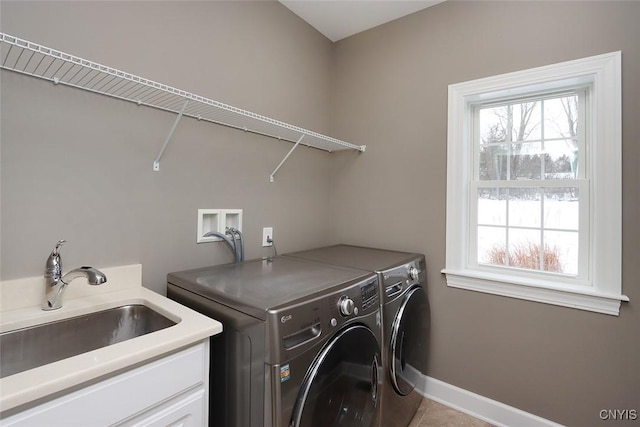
[35, 60]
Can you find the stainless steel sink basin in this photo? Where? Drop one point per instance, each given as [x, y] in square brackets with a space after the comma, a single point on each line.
[39, 345]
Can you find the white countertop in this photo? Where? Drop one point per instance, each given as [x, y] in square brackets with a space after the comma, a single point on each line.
[20, 307]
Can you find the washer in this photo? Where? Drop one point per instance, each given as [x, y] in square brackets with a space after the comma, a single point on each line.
[406, 321]
[300, 345]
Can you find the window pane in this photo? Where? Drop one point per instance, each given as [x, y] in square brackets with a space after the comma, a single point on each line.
[493, 163]
[517, 216]
[561, 159]
[525, 161]
[491, 128]
[562, 208]
[510, 122]
[492, 242]
[561, 253]
[524, 207]
[492, 206]
[561, 117]
[526, 120]
[524, 248]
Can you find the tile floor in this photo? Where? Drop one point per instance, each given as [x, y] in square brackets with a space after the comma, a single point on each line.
[434, 414]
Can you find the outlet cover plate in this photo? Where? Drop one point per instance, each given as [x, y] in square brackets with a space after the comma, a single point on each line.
[267, 234]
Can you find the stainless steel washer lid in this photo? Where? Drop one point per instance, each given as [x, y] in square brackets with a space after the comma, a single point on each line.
[363, 258]
[255, 286]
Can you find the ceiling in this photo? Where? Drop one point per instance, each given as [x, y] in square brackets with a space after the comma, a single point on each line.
[337, 19]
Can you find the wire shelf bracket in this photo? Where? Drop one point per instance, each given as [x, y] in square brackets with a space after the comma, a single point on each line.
[156, 163]
[271, 177]
[28, 58]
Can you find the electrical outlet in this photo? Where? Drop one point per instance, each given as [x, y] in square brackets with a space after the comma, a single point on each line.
[267, 236]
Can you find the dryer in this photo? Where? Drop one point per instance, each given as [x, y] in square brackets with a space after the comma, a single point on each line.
[406, 321]
[300, 345]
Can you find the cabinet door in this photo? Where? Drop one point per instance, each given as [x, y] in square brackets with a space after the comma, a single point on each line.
[123, 396]
[185, 411]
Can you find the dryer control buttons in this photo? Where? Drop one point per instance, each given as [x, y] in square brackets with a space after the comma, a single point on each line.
[334, 322]
[346, 306]
[413, 273]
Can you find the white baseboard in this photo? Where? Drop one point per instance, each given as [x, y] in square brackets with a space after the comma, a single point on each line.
[491, 411]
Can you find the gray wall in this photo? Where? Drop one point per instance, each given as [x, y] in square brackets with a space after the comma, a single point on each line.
[78, 166]
[391, 94]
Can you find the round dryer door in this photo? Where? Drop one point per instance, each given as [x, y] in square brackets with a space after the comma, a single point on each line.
[409, 341]
[341, 386]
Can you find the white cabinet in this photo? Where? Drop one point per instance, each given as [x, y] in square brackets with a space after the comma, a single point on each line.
[185, 411]
[171, 391]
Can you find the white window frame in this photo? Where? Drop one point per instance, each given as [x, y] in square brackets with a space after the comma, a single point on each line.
[600, 290]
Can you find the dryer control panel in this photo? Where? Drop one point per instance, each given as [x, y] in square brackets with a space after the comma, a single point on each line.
[398, 279]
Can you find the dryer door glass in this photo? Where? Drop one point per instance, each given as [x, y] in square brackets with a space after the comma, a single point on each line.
[341, 386]
[409, 341]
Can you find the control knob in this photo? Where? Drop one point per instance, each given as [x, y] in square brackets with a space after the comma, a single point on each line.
[346, 306]
[413, 273]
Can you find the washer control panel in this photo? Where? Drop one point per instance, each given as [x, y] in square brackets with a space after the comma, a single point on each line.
[296, 326]
[358, 299]
[347, 306]
[369, 294]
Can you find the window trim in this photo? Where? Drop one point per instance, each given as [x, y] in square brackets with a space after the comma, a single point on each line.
[604, 161]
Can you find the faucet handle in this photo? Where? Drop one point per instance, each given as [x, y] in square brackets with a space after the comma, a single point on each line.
[53, 268]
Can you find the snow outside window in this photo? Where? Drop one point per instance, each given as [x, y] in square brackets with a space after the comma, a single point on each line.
[534, 184]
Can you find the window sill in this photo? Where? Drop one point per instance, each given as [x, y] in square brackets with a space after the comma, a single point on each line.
[534, 290]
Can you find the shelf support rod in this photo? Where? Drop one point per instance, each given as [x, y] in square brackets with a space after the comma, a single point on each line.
[156, 163]
[285, 159]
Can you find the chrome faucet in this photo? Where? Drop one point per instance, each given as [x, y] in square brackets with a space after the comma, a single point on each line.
[57, 283]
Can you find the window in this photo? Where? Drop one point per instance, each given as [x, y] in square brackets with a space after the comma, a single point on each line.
[528, 191]
[534, 184]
